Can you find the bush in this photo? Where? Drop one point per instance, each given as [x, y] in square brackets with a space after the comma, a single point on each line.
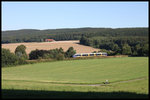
[57, 54]
[47, 54]
[10, 59]
[60, 56]
[70, 52]
[20, 52]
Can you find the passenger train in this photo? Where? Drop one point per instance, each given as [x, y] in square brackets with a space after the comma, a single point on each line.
[90, 54]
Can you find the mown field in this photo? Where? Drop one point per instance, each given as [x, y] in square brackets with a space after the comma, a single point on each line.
[74, 78]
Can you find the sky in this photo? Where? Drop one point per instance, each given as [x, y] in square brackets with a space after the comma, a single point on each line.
[56, 15]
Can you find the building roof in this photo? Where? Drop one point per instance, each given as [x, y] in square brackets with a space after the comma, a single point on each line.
[49, 39]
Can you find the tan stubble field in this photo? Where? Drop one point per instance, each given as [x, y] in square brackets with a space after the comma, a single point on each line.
[51, 45]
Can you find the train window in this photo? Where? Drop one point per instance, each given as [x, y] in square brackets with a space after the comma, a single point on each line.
[91, 54]
[85, 55]
[78, 55]
[97, 54]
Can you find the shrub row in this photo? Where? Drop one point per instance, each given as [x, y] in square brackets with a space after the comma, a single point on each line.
[57, 54]
[20, 57]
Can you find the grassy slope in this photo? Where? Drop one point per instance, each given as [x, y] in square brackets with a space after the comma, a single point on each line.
[19, 89]
[81, 71]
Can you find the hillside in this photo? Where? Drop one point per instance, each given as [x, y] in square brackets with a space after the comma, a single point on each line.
[128, 77]
[34, 35]
[89, 71]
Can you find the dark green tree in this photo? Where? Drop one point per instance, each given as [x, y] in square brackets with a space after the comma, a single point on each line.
[70, 52]
[138, 50]
[145, 50]
[126, 49]
[61, 50]
[10, 59]
[115, 47]
[20, 52]
[36, 54]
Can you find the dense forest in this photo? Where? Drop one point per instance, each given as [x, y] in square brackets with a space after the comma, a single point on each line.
[134, 46]
[126, 41]
[33, 35]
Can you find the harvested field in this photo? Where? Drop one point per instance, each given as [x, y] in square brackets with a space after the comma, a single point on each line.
[51, 45]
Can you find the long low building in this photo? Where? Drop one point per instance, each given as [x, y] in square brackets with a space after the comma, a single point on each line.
[90, 54]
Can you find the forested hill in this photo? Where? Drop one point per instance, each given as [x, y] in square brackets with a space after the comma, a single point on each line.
[34, 35]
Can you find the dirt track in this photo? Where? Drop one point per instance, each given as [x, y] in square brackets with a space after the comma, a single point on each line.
[51, 45]
[78, 84]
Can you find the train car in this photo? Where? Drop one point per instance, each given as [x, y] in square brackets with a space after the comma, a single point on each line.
[90, 54]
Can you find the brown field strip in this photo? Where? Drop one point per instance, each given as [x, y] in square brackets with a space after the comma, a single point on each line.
[51, 45]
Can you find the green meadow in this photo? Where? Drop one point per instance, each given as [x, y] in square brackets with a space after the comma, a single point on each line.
[76, 76]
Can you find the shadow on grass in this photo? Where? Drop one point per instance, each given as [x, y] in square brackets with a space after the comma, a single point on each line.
[6, 93]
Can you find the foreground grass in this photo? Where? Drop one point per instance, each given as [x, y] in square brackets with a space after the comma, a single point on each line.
[21, 89]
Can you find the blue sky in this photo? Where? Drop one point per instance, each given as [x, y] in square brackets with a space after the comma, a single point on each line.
[54, 15]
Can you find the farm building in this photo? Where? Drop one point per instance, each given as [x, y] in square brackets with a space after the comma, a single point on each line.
[49, 40]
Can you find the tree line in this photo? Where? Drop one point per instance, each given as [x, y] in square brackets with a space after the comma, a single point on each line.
[33, 35]
[20, 56]
[57, 54]
[134, 46]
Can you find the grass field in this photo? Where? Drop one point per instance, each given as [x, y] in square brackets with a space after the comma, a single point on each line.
[75, 76]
